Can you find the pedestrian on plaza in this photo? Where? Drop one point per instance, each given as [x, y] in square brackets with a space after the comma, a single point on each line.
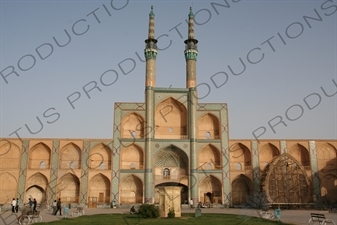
[17, 205]
[34, 205]
[58, 207]
[30, 202]
[191, 204]
[54, 205]
[13, 205]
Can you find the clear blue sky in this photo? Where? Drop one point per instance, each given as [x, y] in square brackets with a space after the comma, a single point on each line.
[288, 56]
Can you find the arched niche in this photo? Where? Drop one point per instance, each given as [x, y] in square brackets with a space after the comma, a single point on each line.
[209, 158]
[327, 165]
[100, 158]
[174, 159]
[242, 187]
[70, 157]
[132, 126]
[131, 190]
[210, 190]
[68, 188]
[10, 155]
[208, 127]
[239, 153]
[35, 192]
[132, 157]
[171, 120]
[38, 179]
[301, 154]
[99, 186]
[267, 153]
[8, 187]
[39, 156]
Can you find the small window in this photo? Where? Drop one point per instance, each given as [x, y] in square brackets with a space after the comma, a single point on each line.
[166, 173]
[238, 166]
[134, 134]
[42, 165]
[208, 135]
[72, 165]
[101, 166]
[133, 166]
[208, 166]
[170, 130]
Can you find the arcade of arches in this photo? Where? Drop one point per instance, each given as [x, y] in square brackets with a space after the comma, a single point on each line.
[286, 175]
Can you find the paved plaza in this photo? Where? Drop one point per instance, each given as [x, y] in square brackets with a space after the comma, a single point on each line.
[299, 217]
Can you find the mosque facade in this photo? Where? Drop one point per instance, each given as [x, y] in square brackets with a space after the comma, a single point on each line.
[169, 140]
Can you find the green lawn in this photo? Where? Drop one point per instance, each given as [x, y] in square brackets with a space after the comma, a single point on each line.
[127, 219]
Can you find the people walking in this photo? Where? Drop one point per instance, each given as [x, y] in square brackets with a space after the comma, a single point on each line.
[13, 205]
[17, 205]
[54, 205]
[30, 202]
[34, 205]
[58, 207]
[191, 204]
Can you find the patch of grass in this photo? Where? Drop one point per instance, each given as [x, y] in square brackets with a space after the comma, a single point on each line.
[187, 218]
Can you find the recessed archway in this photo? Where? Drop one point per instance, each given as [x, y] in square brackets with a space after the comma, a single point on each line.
[210, 190]
[131, 190]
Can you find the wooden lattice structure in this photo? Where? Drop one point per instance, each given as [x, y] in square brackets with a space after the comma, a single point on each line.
[286, 181]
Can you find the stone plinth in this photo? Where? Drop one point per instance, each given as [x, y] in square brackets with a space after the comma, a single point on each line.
[170, 198]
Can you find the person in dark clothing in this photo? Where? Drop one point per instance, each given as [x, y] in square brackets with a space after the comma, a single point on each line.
[17, 205]
[30, 202]
[132, 210]
[34, 205]
[58, 207]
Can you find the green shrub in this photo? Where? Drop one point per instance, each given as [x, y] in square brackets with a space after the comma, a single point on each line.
[148, 211]
[171, 213]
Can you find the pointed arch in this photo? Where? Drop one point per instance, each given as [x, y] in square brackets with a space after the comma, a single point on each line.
[10, 155]
[8, 187]
[171, 120]
[132, 126]
[301, 154]
[208, 127]
[132, 157]
[39, 153]
[99, 186]
[327, 165]
[38, 179]
[242, 187]
[68, 188]
[131, 190]
[100, 157]
[239, 153]
[267, 153]
[209, 158]
[70, 157]
[287, 181]
[173, 159]
[37, 192]
[210, 190]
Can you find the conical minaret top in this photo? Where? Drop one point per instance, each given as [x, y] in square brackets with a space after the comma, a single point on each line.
[151, 53]
[191, 53]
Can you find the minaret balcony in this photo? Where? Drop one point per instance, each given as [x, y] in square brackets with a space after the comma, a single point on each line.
[191, 46]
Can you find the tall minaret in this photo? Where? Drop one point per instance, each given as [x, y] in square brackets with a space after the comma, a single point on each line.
[151, 54]
[191, 53]
[150, 82]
